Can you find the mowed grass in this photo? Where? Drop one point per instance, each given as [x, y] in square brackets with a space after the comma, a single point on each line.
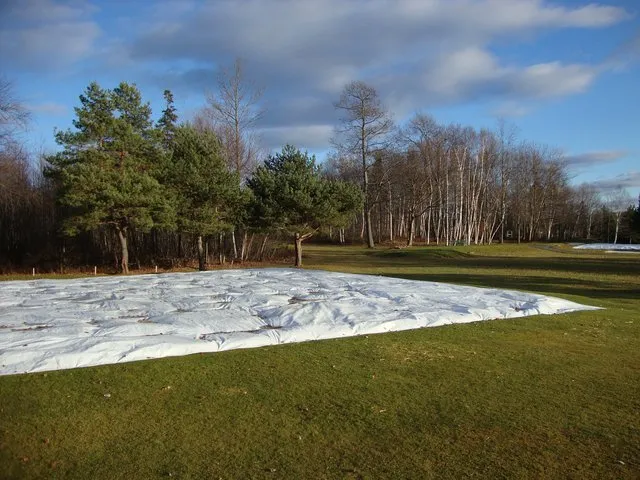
[538, 397]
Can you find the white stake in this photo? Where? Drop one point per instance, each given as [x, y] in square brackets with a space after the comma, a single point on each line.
[95, 270]
[156, 268]
[33, 272]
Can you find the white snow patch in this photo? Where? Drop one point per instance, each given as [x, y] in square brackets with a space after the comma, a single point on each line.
[57, 324]
[618, 247]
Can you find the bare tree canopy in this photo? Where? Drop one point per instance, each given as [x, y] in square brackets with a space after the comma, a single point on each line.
[13, 114]
[365, 123]
[234, 110]
[618, 201]
[363, 131]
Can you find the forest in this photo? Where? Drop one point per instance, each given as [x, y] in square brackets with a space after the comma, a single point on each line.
[125, 190]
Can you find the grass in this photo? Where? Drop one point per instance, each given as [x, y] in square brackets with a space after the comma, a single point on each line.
[538, 397]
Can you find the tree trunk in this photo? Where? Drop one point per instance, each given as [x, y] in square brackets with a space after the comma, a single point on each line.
[63, 251]
[202, 263]
[411, 228]
[124, 262]
[243, 247]
[298, 239]
[298, 246]
[370, 242]
[390, 207]
[262, 247]
[233, 243]
[221, 249]
[379, 222]
[247, 251]
[365, 179]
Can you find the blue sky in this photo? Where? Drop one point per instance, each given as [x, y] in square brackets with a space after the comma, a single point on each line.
[566, 73]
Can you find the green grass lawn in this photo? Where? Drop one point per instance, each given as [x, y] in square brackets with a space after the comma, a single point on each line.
[539, 397]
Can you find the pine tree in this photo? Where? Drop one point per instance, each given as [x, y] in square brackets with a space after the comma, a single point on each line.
[291, 195]
[208, 193]
[167, 124]
[107, 171]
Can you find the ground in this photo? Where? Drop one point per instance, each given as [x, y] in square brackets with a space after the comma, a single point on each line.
[50, 324]
[544, 396]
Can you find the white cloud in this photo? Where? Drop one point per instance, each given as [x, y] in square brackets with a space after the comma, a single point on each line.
[427, 52]
[553, 79]
[474, 72]
[457, 72]
[51, 45]
[418, 53]
[629, 180]
[44, 34]
[47, 10]
[589, 159]
[308, 137]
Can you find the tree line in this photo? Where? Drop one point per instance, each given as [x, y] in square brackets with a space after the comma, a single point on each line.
[124, 189]
[145, 192]
[453, 184]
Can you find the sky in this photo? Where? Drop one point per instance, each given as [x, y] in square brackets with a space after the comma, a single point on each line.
[563, 73]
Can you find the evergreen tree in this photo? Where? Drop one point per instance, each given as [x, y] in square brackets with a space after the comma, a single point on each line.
[167, 123]
[634, 221]
[107, 171]
[290, 195]
[208, 193]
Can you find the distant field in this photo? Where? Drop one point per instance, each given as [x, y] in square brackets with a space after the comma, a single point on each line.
[536, 397]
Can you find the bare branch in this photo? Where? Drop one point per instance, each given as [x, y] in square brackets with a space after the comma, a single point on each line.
[234, 111]
[13, 114]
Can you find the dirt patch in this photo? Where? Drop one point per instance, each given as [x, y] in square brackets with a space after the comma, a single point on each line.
[34, 327]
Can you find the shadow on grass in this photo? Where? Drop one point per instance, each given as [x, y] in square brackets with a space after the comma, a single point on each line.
[450, 258]
[546, 285]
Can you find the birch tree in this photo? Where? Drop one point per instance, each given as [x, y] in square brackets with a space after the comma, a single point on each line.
[506, 137]
[618, 201]
[363, 130]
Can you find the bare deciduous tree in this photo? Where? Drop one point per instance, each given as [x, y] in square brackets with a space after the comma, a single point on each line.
[13, 114]
[235, 109]
[363, 130]
[587, 201]
[618, 201]
[506, 134]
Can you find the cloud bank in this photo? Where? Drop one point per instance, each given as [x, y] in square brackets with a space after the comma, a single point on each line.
[418, 53]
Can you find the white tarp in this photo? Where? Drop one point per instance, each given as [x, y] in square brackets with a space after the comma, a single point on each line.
[56, 324]
[620, 247]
